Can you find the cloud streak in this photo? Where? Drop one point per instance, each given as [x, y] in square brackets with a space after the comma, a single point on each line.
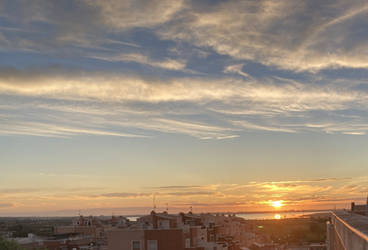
[288, 96]
[6, 205]
[121, 104]
[296, 194]
[168, 64]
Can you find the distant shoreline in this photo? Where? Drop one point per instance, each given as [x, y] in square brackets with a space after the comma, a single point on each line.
[139, 215]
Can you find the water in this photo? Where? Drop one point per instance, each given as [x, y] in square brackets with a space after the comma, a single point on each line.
[276, 215]
[132, 218]
[263, 216]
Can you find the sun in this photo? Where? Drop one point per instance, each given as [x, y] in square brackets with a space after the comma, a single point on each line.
[277, 204]
[277, 217]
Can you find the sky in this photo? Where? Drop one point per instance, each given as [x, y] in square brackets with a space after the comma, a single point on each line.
[217, 105]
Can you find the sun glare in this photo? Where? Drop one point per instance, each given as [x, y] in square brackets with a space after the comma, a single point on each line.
[277, 217]
[277, 204]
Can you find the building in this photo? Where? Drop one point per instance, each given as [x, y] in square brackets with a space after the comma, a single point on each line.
[163, 231]
[145, 239]
[156, 231]
[360, 209]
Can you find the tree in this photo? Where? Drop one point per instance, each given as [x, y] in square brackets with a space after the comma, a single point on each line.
[9, 245]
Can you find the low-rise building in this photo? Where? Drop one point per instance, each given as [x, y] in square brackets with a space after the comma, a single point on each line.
[360, 209]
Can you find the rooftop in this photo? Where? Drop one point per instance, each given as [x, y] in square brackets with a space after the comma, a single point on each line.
[358, 222]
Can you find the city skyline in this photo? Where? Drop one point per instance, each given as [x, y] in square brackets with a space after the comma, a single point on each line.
[219, 105]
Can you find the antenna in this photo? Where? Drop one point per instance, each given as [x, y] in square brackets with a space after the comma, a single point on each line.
[154, 202]
[167, 207]
[191, 209]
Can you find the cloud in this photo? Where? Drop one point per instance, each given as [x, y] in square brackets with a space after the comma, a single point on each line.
[124, 195]
[6, 205]
[199, 130]
[130, 14]
[351, 128]
[310, 36]
[80, 27]
[237, 69]
[258, 68]
[296, 194]
[157, 194]
[179, 187]
[253, 126]
[56, 103]
[214, 204]
[192, 193]
[354, 132]
[117, 87]
[18, 190]
[264, 32]
[169, 64]
[121, 123]
[52, 130]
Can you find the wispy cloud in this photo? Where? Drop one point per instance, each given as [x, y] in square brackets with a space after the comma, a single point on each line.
[157, 194]
[193, 193]
[237, 69]
[52, 130]
[130, 14]
[6, 205]
[296, 194]
[179, 187]
[124, 195]
[261, 32]
[276, 37]
[115, 87]
[169, 64]
[121, 104]
[253, 126]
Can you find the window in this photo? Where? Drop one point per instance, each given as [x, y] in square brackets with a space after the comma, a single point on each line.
[136, 245]
[187, 243]
[152, 244]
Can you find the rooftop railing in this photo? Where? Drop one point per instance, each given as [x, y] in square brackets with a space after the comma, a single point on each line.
[351, 230]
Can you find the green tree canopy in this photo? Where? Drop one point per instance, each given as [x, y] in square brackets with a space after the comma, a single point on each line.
[9, 245]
